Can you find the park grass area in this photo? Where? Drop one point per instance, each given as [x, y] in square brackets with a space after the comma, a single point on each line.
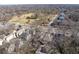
[22, 19]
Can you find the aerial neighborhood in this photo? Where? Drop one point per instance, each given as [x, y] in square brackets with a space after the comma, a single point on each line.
[39, 29]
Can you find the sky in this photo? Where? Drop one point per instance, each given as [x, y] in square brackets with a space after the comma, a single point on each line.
[4, 2]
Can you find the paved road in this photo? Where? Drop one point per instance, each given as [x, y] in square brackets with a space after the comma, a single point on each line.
[53, 18]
